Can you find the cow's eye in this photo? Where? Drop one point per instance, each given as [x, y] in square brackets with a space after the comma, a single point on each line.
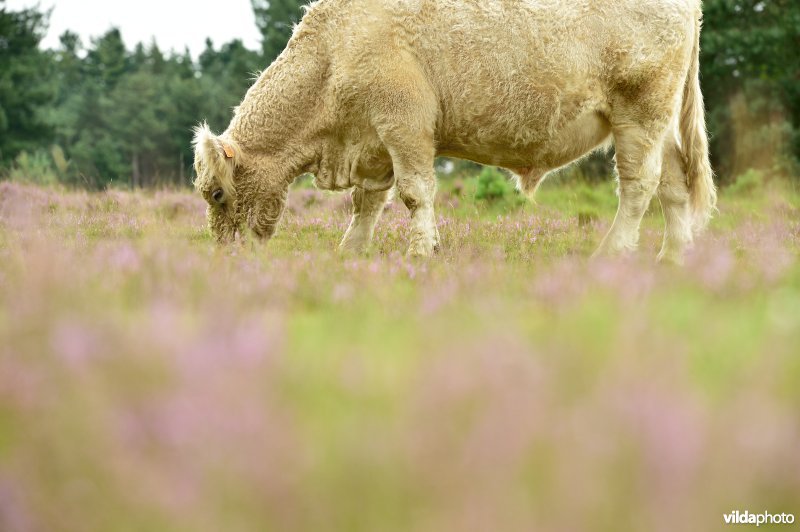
[218, 195]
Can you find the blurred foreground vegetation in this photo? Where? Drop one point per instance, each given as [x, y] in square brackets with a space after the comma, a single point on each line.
[151, 381]
[110, 112]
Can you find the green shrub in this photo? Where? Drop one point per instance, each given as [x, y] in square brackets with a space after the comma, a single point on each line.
[494, 187]
[40, 167]
[747, 183]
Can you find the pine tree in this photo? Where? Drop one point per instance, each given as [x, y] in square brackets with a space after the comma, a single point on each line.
[25, 82]
[275, 20]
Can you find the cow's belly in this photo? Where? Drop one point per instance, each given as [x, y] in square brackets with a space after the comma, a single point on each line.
[531, 147]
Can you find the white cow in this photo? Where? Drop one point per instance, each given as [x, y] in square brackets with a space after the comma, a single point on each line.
[369, 92]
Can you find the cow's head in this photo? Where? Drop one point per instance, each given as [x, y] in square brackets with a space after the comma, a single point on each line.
[244, 196]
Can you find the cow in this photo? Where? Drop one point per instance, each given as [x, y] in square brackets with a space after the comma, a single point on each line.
[368, 92]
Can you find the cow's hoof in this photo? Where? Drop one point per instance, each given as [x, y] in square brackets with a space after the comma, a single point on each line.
[353, 248]
[674, 258]
[421, 249]
[610, 249]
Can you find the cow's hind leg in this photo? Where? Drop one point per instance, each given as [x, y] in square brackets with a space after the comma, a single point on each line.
[639, 157]
[673, 193]
[367, 209]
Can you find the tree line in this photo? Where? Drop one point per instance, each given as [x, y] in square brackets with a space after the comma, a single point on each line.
[98, 113]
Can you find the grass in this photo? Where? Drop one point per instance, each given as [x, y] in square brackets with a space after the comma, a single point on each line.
[150, 381]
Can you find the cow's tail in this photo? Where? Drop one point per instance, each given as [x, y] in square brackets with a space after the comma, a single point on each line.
[694, 142]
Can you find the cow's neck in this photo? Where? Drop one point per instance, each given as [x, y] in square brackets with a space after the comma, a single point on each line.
[281, 115]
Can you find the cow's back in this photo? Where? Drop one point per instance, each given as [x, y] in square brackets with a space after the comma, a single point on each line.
[511, 74]
[514, 72]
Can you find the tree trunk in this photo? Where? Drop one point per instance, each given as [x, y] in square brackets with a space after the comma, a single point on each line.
[137, 177]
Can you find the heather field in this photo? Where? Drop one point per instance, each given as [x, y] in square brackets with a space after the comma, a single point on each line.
[151, 382]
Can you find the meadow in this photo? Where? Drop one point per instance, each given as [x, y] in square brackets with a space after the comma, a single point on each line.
[150, 381]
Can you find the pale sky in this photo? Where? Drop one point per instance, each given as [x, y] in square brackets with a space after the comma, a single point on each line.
[174, 24]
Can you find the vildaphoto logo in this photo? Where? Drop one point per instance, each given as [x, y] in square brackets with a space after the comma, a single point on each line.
[765, 518]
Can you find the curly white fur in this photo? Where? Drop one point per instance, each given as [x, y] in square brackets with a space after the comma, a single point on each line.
[369, 92]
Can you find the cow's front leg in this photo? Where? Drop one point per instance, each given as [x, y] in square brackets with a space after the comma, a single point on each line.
[367, 210]
[405, 119]
[418, 191]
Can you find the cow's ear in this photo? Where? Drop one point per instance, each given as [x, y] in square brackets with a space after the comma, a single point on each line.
[205, 142]
[215, 160]
[214, 149]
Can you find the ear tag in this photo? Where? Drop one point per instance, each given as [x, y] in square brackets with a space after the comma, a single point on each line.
[228, 151]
